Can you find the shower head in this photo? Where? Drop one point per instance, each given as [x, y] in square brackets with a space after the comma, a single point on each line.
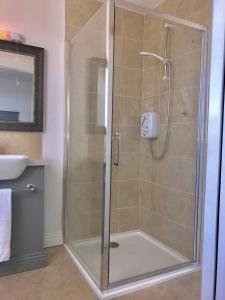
[164, 60]
[152, 54]
[168, 25]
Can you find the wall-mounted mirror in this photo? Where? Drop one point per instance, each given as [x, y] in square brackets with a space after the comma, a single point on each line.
[21, 87]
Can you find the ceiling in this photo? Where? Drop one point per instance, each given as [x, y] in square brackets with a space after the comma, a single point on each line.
[147, 3]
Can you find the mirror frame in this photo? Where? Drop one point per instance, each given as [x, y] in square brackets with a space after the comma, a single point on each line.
[38, 54]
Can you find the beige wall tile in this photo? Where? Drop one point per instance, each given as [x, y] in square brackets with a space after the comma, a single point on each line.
[154, 44]
[186, 71]
[114, 194]
[203, 16]
[146, 221]
[119, 24]
[115, 170]
[189, 169]
[86, 140]
[151, 104]
[118, 51]
[178, 238]
[26, 143]
[133, 25]
[176, 206]
[148, 168]
[128, 82]
[170, 165]
[178, 173]
[130, 139]
[128, 193]
[153, 25]
[116, 81]
[129, 168]
[183, 140]
[183, 8]
[114, 221]
[159, 181]
[84, 108]
[144, 146]
[79, 225]
[116, 109]
[182, 40]
[128, 219]
[83, 225]
[87, 167]
[78, 13]
[130, 54]
[151, 83]
[130, 111]
[87, 196]
[185, 105]
[148, 195]
[96, 224]
[182, 239]
[79, 107]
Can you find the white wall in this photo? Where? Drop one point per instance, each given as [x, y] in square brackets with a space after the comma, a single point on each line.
[41, 22]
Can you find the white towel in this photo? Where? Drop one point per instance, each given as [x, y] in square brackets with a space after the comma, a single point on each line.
[5, 223]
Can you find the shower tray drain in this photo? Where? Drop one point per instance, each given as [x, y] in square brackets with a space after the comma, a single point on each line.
[114, 245]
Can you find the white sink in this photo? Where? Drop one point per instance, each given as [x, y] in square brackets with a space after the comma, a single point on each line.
[12, 166]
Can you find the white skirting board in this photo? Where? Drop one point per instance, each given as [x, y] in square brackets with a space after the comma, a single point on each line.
[53, 239]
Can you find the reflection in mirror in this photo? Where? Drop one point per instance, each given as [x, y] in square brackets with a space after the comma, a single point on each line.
[16, 87]
[21, 87]
[98, 109]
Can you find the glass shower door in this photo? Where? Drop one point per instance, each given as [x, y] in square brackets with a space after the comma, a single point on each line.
[154, 200]
[86, 137]
[155, 185]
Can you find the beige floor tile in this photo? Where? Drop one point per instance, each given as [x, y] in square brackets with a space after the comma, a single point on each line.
[61, 280]
[67, 294]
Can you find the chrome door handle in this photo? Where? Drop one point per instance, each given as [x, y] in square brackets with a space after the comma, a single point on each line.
[116, 136]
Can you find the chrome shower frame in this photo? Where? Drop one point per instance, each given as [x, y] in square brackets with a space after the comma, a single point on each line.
[202, 131]
[144, 280]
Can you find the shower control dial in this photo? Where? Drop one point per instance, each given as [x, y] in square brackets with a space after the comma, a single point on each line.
[150, 125]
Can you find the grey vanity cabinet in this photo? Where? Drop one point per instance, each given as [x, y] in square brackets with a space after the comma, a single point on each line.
[27, 242]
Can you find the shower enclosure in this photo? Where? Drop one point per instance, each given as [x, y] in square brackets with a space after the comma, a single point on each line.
[133, 207]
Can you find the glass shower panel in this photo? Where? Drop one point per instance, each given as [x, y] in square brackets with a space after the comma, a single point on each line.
[157, 69]
[86, 144]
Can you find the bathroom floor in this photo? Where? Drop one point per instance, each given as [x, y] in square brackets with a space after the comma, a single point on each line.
[61, 280]
[146, 253]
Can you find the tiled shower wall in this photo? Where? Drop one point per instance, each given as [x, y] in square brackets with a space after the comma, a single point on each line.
[164, 203]
[85, 23]
[198, 11]
[27, 143]
[155, 196]
[126, 119]
[84, 26]
[167, 186]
